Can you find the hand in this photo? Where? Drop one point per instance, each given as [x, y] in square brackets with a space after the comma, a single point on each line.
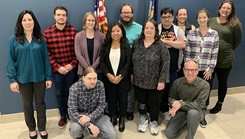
[160, 86]
[48, 84]
[207, 75]
[117, 79]
[176, 104]
[110, 77]
[68, 67]
[172, 112]
[94, 129]
[15, 87]
[63, 70]
[84, 119]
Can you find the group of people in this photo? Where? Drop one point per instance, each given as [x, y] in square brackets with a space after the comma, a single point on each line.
[167, 67]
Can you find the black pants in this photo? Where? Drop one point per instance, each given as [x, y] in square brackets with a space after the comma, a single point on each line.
[210, 82]
[222, 76]
[151, 98]
[27, 91]
[116, 95]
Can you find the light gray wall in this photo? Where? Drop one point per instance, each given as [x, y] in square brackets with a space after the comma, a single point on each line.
[43, 9]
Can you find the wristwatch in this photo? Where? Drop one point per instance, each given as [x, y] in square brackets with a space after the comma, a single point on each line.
[87, 124]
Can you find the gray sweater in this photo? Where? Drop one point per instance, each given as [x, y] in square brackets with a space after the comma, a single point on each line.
[150, 65]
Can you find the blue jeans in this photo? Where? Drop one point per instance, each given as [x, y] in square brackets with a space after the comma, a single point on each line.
[164, 107]
[62, 84]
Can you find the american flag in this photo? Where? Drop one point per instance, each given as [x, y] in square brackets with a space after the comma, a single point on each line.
[100, 13]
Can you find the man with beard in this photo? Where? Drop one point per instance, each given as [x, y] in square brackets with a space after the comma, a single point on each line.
[133, 31]
[60, 42]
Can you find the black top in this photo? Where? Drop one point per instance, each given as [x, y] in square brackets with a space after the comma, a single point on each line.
[90, 43]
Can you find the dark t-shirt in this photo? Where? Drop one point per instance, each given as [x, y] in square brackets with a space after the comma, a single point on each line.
[168, 34]
[90, 47]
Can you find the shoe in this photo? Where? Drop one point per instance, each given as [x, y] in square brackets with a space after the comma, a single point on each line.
[203, 123]
[113, 120]
[130, 116]
[217, 108]
[153, 128]
[121, 124]
[44, 136]
[143, 123]
[62, 122]
[33, 137]
[167, 116]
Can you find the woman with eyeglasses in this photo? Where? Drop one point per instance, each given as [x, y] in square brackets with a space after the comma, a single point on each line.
[229, 28]
[88, 43]
[203, 46]
[29, 70]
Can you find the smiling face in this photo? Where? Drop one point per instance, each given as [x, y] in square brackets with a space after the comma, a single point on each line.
[202, 19]
[126, 15]
[149, 30]
[27, 23]
[182, 16]
[90, 22]
[116, 33]
[60, 17]
[225, 10]
[190, 71]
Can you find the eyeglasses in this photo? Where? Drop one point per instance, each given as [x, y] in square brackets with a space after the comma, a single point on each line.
[190, 70]
[91, 20]
[126, 13]
[166, 17]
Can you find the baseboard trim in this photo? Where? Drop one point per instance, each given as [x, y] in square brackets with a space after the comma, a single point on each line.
[55, 112]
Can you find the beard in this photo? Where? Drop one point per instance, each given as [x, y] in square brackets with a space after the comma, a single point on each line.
[127, 23]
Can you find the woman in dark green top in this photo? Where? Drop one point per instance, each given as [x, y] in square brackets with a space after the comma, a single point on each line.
[29, 70]
[229, 29]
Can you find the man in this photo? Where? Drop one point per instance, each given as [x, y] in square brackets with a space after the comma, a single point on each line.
[175, 40]
[86, 105]
[133, 31]
[187, 97]
[60, 41]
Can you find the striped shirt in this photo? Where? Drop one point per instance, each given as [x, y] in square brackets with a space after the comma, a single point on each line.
[90, 102]
[203, 49]
[61, 46]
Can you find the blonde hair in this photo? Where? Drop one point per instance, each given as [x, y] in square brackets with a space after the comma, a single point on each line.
[85, 20]
[88, 70]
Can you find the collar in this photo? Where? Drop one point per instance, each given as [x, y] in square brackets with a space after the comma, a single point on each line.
[195, 83]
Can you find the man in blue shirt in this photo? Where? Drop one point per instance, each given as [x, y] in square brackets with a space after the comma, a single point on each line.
[133, 31]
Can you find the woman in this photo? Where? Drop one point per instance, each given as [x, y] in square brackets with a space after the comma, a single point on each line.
[229, 29]
[88, 44]
[181, 21]
[115, 61]
[203, 46]
[151, 72]
[29, 70]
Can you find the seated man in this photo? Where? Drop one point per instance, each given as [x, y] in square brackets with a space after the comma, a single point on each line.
[187, 97]
[86, 104]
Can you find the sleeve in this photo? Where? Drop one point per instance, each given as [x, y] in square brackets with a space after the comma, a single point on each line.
[74, 61]
[237, 36]
[126, 68]
[214, 53]
[165, 64]
[187, 53]
[78, 51]
[11, 69]
[47, 62]
[73, 103]
[173, 93]
[97, 60]
[103, 64]
[200, 101]
[55, 66]
[100, 104]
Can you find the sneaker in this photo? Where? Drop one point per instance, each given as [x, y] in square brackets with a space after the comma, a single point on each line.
[167, 116]
[62, 122]
[143, 123]
[203, 123]
[153, 128]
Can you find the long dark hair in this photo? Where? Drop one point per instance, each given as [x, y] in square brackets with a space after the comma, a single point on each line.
[108, 40]
[19, 31]
[232, 19]
[142, 35]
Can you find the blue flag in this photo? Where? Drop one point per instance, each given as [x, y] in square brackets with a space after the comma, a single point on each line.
[153, 6]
